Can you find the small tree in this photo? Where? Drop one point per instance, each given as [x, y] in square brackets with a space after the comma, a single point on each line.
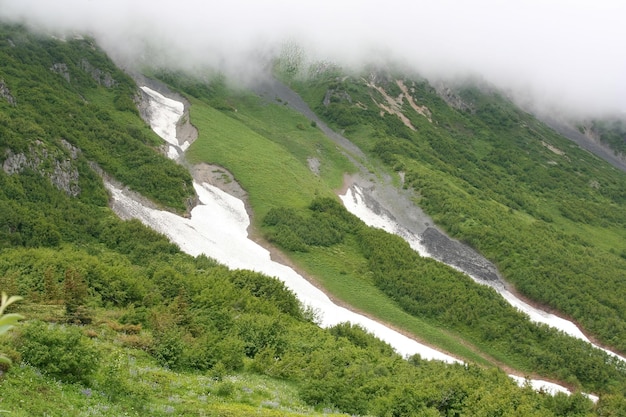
[75, 291]
[7, 321]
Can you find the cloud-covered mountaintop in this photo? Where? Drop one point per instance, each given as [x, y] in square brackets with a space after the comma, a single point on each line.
[560, 53]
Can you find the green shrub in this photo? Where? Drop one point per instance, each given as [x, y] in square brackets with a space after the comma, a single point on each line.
[62, 352]
[168, 348]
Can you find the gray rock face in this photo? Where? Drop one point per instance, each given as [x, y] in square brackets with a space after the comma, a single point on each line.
[61, 69]
[101, 77]
[452, 98]
[452, 252]
[55, 166]
[142, 100]
[5, 93]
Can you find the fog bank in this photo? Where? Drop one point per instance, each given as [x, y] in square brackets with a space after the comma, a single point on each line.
[553, 53]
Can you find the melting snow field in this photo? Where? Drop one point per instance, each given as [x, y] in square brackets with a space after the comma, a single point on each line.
[218, 226]
[164, 114]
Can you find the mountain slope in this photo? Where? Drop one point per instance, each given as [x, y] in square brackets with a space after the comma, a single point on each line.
[354, 263]
[547, 213]
[173, 334]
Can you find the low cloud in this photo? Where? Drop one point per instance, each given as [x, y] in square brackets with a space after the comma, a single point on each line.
[553, 54]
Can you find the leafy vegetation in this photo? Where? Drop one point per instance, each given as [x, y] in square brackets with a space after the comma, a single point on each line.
[550, 215]
[612, 132]
[73, 107]
[440, 295]
[120, 322]
[7, 321]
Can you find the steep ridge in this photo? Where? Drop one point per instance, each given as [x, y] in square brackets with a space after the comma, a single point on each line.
[598, 148]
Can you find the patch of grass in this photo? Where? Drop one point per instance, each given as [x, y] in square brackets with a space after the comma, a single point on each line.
[296, 134]
[341, 271]
[137, 378]
[270, 173]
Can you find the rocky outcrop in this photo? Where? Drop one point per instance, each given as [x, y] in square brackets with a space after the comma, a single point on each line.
[5, 93]
[61, 69]
[142, 101]
[336, 95]
[54, 165]
[186, 132]
[103, 78]
[452, 98]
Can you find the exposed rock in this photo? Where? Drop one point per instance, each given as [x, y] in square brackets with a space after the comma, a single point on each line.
[6, 93]
[314, 165]
[423, 110]
[219, 177]
[15, 163]
[74, 151]
[142, 100]
[455, 253]
[336, 95]
[452, 98]
[65, 177]
[101, 77]
[393, 106]
[53, 165]
[186, 132]
[61, 69]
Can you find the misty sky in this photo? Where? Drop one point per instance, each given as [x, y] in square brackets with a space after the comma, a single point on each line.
[568, 54]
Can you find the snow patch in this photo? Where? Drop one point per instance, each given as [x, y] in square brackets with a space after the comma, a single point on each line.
[354, 201]
[163, 118]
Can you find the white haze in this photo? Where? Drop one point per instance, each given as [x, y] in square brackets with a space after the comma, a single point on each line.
[560, 54]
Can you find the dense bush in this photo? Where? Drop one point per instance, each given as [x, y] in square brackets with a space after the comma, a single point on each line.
[496, 178]
[62, 352]
[96, 116]
[151, 303]
[325, 224]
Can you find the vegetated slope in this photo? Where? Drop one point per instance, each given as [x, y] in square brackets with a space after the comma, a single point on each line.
[610, 131]
[359, 265]
[549, 214]
[119, 321]
[66, 95]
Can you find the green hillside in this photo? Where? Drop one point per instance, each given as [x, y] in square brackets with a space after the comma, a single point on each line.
[550, 215]
[120, 322]
[374, 271]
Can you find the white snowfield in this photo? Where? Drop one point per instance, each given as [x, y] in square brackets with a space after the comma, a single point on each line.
[164, 114]
[218, 226]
